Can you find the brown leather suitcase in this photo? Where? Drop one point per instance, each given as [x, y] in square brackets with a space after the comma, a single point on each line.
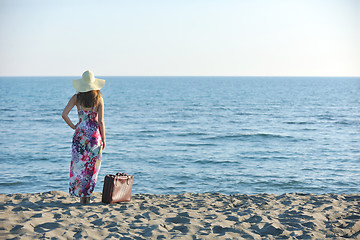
[117, 188]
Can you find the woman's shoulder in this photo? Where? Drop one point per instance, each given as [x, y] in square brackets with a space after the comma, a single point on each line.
[74, 98]
[100, 104]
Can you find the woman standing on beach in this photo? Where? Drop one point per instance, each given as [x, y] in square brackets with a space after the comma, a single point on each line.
[89, 137]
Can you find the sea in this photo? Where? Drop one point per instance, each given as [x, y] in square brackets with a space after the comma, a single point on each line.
[190, 134]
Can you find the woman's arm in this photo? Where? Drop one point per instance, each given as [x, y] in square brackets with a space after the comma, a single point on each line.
[67, 109]
[102, 121]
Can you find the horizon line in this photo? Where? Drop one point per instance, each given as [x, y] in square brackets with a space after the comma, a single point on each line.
[97, 76]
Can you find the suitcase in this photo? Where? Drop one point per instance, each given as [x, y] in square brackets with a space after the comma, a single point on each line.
[117, 188]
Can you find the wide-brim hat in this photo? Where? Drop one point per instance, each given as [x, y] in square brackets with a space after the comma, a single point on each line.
[88, 82]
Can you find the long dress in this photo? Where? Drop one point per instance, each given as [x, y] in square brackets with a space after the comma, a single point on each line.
[86, 155]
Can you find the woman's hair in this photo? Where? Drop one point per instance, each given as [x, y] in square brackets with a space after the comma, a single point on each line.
[89, 99]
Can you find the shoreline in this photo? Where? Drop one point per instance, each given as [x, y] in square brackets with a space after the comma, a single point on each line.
[56, 215]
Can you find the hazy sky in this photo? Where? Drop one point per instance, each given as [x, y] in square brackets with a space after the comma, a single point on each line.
[184, 37]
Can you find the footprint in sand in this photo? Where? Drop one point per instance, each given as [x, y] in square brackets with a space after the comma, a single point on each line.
[180, 218]
[45, 227]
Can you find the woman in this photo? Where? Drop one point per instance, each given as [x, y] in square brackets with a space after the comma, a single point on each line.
[89, 137]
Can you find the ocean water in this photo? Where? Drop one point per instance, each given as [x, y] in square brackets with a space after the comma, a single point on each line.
[191, 134]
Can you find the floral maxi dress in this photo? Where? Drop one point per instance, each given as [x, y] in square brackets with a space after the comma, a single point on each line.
[86, 155]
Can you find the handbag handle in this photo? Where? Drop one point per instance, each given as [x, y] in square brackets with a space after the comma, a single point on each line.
[124, 175]
[121, 174]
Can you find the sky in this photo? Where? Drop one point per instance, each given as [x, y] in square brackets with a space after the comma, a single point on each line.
[180, 38]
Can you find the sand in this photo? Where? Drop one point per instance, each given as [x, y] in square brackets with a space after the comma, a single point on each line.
[56, 215]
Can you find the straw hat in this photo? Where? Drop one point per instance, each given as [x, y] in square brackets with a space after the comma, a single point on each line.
[88, 82]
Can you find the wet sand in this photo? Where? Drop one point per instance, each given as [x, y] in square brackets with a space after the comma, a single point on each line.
[56, 215]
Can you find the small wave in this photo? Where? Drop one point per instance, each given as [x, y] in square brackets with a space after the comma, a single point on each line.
[220, 108]
[168, 122]
[195, 144]
[283, 184]
[181, 183]
[50, 114]
[146, 135]
[11, 183]
[34, 158]
[7, 120]
[153, 131]
[44, 120]
[308, 129]
[325, 117]
[347, 122]
[7, 110]
[246, 114]
[204, 162]
[191, 134]
[298, 123]
[247, 135]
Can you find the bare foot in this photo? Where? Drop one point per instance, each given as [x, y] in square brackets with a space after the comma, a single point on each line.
[85, 200]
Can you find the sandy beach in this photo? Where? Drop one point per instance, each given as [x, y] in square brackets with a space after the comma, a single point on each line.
[56, 215]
